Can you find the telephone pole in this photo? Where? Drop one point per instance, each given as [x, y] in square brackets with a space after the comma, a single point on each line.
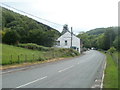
[71, 37]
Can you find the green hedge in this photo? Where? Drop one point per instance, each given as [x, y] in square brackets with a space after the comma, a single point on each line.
[34, 47]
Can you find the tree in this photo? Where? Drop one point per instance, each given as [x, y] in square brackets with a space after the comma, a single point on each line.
[29, 30]
[109, 37]
[100, 41]
[101, 38]
[42, 38]
[116, 43]
[50, 38]
[111, 50]
[11, 37]
[86, 39]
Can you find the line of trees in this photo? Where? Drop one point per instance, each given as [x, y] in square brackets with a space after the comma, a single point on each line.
[102, 38]
[17, 28]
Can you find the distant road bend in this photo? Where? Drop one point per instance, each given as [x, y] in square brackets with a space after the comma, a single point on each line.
[79, 72]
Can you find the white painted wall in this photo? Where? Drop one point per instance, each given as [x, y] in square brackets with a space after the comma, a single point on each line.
[67, 36]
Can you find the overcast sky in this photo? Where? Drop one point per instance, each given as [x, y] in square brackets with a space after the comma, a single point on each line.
[82, 15]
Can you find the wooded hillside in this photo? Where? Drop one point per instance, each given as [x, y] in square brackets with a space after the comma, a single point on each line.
[101, 38]
[18, 28]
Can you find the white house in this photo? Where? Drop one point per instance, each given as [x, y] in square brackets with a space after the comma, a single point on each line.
[68, 40]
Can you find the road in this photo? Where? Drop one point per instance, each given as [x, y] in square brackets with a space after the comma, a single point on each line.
[78, 72]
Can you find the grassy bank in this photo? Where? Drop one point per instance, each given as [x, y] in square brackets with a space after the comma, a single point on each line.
[111, 72]
[12, 54]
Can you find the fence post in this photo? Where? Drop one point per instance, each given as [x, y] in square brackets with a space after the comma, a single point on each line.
[11, 59]
[53, 54]
[33, 58]
[38, 58]
[25, 58]
[18, 59]
[57, 54]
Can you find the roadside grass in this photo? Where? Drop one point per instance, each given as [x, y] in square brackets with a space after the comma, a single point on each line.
[119, 70]
[16, 55]
[115, 57]
[12, 54]
[111, 72]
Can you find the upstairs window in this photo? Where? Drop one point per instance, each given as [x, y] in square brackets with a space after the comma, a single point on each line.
[65, 42]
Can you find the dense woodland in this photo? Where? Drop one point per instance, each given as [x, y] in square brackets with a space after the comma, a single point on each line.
[101, 38]
[18, 28]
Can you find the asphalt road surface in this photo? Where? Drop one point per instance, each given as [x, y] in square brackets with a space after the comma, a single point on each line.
[78, 72]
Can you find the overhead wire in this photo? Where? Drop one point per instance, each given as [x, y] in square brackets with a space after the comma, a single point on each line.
[31, 14]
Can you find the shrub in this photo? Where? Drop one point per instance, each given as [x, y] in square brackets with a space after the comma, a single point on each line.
[11, 37]
[111, 50]
[34, 47]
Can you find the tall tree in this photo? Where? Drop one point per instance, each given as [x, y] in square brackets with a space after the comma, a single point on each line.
[109, 37]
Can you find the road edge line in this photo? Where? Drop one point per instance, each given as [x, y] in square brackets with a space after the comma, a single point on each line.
[103, 73]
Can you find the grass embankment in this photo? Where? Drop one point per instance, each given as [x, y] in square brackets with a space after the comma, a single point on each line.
[111, 72]
[16, 55]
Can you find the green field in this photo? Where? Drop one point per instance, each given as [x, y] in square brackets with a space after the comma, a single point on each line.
[111, 72]
[12, 54]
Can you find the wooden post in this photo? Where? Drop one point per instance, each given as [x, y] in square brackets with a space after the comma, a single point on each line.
[39, 58]
[53, 54]
[71, 37]
[11, 59]
[25, 58]
[18, 59]
[33, 57]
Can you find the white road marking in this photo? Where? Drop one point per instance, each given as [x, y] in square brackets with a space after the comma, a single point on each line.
[96, 80]
[96, 86]
[65, 68]
[103, 73]
[31, 82]
[100, 80]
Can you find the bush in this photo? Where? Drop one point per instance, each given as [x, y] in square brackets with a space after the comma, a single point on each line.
[34, 47]
[111, 50]
[11, 37]
[69, 52]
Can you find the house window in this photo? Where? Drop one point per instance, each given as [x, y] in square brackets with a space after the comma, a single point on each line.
[58, 43]
[65, 42]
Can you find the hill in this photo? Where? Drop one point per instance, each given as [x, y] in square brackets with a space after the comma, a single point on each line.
[98, 31]
[101, 38]
[26, 30]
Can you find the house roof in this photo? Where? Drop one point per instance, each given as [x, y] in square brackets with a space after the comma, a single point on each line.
[70, 33]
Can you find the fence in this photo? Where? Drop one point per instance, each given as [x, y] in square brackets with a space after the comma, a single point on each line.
[23, 58]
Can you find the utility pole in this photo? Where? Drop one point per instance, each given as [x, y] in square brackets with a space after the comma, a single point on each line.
[71, 36]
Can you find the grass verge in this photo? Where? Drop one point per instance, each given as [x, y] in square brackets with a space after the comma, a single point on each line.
[111, 73]
[17, 55]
